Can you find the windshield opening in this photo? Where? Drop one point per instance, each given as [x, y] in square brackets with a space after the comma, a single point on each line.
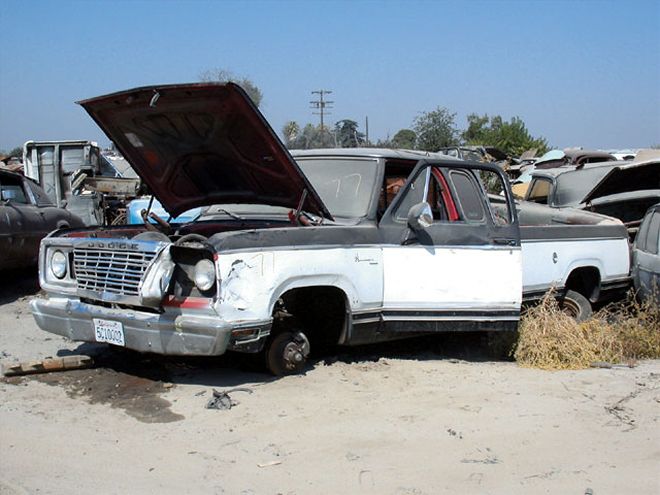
[345, 185]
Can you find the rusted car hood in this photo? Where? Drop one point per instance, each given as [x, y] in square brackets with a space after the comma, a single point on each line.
[627, 178]
[202, 144]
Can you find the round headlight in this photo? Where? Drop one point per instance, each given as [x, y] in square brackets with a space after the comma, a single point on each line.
[58, 264]
[204, 274]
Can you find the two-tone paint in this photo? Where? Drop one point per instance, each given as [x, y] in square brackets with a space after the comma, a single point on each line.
[333, 251]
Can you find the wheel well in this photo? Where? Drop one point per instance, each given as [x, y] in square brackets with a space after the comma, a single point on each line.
[586, 281]
[320, 312]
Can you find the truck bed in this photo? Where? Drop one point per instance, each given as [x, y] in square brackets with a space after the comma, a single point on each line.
[558, 243]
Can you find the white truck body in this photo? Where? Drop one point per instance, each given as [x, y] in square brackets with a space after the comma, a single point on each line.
[325, 246]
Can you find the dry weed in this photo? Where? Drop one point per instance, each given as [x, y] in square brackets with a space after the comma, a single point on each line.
[637, 325]
[550, 339]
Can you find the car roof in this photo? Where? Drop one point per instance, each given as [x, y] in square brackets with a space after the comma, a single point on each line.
[575, 154]
[557, 171]
[372, 153]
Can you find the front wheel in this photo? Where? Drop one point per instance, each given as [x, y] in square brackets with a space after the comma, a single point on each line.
[287, 352]
[575, 305]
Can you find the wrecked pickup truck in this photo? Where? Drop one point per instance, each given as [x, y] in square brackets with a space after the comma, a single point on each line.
[332, 247]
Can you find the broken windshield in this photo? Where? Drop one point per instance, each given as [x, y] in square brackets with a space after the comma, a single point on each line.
[345, 185]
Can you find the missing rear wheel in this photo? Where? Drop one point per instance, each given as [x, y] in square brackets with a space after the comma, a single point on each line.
[287, 352]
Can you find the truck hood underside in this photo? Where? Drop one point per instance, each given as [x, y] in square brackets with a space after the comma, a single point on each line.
[625, 179]
[202, 144]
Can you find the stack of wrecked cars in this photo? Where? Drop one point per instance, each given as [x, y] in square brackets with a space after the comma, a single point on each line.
[76, 176]
[485, 154]
[570, 157]
[296, 250]
[621, 189]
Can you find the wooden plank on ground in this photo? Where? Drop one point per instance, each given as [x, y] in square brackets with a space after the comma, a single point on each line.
[48, 365]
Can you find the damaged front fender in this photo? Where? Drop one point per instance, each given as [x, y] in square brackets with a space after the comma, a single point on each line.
[157, 279]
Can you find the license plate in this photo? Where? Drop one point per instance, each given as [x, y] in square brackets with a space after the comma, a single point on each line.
[109, 331]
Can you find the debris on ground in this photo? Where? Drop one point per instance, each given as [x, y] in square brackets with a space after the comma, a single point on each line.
[48, 365]
[605, 365]
[222, 400]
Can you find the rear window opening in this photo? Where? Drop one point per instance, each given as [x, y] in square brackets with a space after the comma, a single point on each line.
[469, 196]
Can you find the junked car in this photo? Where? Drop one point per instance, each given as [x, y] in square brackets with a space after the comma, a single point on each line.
[572, 156]
[646, 256]
[151, 205]
[623, 190]
[293, 250]
[488, 154]
[77, 176]
[569, 158]
[26, 216]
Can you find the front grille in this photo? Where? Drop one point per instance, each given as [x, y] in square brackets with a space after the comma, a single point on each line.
[117, 272]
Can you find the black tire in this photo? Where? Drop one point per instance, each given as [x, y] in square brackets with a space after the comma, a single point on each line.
[286, 353]
[576, 305]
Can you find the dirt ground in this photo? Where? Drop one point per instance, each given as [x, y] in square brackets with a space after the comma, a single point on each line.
[417, 417]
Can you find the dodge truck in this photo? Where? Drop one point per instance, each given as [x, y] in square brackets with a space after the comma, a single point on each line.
[295, 250]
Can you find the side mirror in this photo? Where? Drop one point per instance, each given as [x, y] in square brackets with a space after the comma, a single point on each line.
[420, 216]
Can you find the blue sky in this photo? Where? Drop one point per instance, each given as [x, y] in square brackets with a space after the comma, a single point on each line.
[578, 73]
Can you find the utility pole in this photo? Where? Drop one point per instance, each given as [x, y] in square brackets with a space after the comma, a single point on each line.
[321, 104]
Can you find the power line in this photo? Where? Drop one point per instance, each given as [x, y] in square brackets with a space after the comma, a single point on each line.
[321, 105]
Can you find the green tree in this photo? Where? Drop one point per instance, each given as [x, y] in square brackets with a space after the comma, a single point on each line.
[325, 138]
[405, 139]
[17, 151]
[222, 75]
[478, 129]
[435, 129]
[347, 135]
[290, 131]
[311, 137]
[511, 137]
[381, 143]
[308, 138]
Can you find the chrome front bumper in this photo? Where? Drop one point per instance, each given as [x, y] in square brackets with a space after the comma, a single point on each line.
[166, 333]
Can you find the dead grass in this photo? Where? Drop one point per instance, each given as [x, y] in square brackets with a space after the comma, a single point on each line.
[621, 333]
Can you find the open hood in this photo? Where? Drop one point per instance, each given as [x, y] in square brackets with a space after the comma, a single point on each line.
[202, 144]
[627, 178]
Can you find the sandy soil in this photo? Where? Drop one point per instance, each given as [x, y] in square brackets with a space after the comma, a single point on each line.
[420, 417]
